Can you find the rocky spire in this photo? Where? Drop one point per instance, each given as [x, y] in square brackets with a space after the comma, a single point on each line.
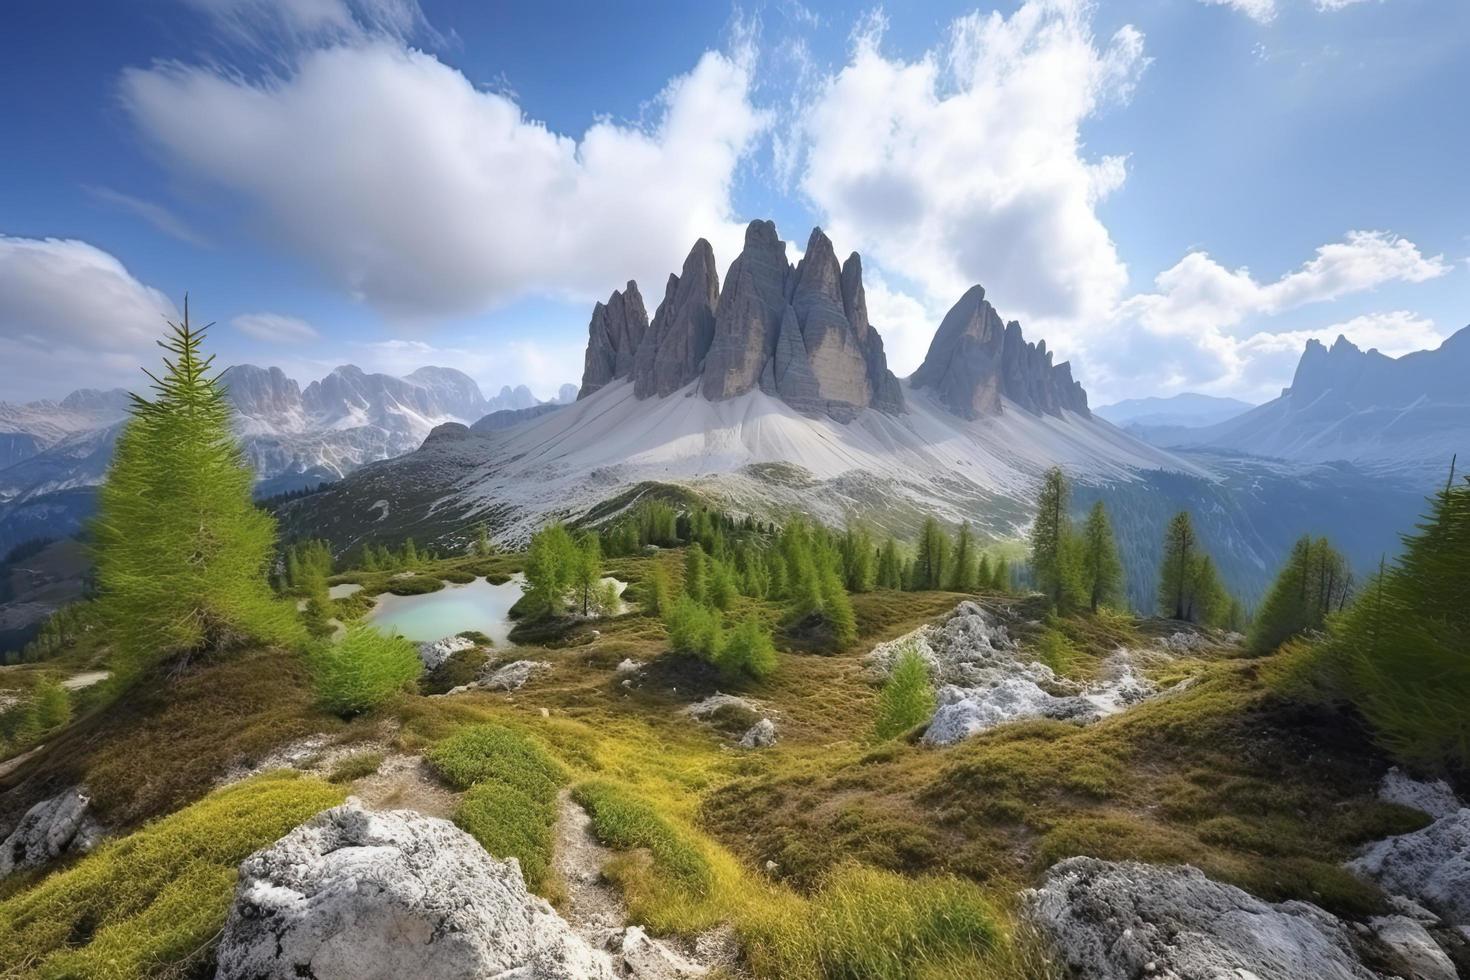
[673, 350]
[975, 360]
[748, 318]
[801, 334]
[613, 337]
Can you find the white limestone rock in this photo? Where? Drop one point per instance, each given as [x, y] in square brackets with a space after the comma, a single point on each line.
[1123, 920]
[1430, 866]
[1433, 797]
[1414, 951]
[383, 896]
[436, 652]
[48, 830]
[761, 735]
[645, 958]
[513, 676]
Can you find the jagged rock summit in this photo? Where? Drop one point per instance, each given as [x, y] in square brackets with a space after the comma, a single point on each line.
[800, 333]
[975, 360]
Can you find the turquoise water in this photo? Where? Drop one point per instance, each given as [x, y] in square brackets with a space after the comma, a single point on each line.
[477, 605]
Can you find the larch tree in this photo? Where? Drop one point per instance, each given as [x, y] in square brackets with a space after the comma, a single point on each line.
[963, 570]
[1178, 566]
[1051, 555]
[1101, 568]
[182, 552]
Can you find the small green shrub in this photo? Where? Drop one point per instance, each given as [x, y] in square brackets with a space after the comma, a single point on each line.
[748, 650]
[907, 699]
[1056, 651]
[457, 577]
[693, 628]
[355, 766]
[508, 823]
[512, 783]
[876, 924]
[624, 822]
[363, 670]
[487, 753]
[139, 904]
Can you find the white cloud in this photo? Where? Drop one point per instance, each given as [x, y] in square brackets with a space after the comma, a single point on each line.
[156, 215]
[1201, 327]
[411, 188]
[275, 25]
[1264, 11]
[967, 165]
[905, 323]
[275, 328]
[72, 315]
[542, 367]
[1260, 11]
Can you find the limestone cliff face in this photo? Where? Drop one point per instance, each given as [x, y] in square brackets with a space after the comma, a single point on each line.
[613, 337]
[802, 334]
[674, 349]
[975, 360]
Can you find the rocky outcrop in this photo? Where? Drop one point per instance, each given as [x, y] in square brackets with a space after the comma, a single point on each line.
[1121, 921]
[988, 680]
[617, 329]
[51, 828]
[975, 361]
[434, 653]
[1433, 797]
[761, 735]
[801, 334]
[1430, 866]
[674, 349]
[356, 894]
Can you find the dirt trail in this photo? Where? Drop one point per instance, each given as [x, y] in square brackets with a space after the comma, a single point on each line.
[596, 911]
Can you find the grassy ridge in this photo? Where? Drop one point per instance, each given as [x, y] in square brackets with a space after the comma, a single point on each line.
[156, 897]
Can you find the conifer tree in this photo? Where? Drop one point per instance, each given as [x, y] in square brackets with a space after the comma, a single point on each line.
[932, 557]
[1051, 558]
[963, 569]
[656, 596]
[890, 568]
[585, 572]
[694, 572]
[550, 566]
[984, 575]
[182, 552]
[1313, 583]
[1102, 570]
[1002, 575]
[1176, 570]
[482, 540]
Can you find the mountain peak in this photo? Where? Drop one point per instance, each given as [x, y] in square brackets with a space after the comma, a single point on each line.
[975, 362]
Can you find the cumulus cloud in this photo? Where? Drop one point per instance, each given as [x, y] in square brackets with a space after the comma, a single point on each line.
[424, 195]
[72, 314]
[1201, 326]
[967, 164]
[275, 328]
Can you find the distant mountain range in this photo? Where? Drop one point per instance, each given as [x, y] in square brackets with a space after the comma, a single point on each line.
[772, 394]
[1402, 418]
[53, 453]
[1187, 409]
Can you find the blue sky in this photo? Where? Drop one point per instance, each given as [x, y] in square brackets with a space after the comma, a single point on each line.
[1174, 193]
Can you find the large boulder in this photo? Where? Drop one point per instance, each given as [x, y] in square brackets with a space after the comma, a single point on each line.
[51, 828]
[1433, 797]
[363, 895]
[1124, 920]
[434, 653]
[1430, 866]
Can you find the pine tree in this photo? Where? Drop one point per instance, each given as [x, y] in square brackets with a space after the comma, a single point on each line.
[1002, 581]
[482, 540]
[1102, 570]
[182, 552]
[932, 557]
[1050, 531]
[1176, 571]
[963, 569]
[656, 597]
[890, 569]
[984, 575]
